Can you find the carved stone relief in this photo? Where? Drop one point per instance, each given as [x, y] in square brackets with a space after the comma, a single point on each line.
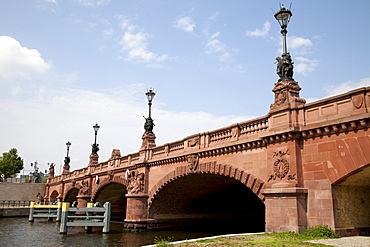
[193, 161]
[110, 175]
[193, 141]
[136, 183]
[281, 166]
[84, 188]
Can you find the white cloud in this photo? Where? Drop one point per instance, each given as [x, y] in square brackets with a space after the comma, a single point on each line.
[215, 46]
[19, 61]
[344, 87]
[53, 117]
[185, 23]
[134, 42]
[299, 45]
[260, 32]
[304, 65]
[52, 1]
[93, 3]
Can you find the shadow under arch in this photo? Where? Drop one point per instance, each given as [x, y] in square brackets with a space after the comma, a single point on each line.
[54, 196]
[215, 198]
[70, 195]
[351, 203]
[113, 191]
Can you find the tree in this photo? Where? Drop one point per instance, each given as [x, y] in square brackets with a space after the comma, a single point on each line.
[10, 163]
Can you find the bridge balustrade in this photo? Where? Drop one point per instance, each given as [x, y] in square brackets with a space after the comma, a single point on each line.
[254, 126]
[221, 135]
[175, 146]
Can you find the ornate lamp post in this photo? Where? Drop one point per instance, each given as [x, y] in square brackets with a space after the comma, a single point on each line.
[67, 160]
[68, 144]
[148, 126]
[95, 146]
[283, 17]
[286, 89]
[284, 63]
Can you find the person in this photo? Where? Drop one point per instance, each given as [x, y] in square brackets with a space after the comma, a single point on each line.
[40, 199]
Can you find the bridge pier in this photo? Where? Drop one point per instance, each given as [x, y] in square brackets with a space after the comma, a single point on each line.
[136, 212]
[83, 200]
[286, 208]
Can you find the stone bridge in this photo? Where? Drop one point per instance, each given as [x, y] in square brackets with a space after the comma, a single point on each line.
[301, 165]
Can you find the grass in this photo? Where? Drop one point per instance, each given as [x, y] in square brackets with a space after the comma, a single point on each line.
[286, 239]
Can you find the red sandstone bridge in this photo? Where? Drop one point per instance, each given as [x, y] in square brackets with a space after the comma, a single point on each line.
[301, 165]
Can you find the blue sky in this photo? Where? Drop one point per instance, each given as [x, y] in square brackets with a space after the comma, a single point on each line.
[65, 65]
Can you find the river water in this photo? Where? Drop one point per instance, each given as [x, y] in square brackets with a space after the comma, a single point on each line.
[18, 231]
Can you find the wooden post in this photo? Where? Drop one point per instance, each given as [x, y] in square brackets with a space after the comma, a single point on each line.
[107, 213]
[32, 206]
[64, 220]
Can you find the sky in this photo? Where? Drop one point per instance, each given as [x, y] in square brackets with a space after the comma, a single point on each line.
[68, 64]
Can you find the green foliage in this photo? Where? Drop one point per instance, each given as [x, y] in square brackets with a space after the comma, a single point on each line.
[320, 232]
[10, 163]
[161, 242]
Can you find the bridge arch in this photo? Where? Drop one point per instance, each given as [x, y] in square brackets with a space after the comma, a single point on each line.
[215, 197]
[70, 195]
[249, 180]
[114, 191]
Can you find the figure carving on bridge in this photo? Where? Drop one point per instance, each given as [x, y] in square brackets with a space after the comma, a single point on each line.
[84, 188]
[148, 126]
[136, 183]
[193, 161]
[94, 148]
[51, 170]
[284, 67]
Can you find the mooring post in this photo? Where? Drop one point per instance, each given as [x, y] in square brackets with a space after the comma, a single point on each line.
[32, 207]
[59, 211]
[107, 213]
[64, 220]
[88, 229]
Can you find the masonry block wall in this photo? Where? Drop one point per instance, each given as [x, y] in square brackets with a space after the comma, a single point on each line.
[20, 191]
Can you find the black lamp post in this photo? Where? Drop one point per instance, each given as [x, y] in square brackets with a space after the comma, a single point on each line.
[148, 126]
[68, 144]
[67, 160]
[283, 17]
[95, 146]
[284, 63]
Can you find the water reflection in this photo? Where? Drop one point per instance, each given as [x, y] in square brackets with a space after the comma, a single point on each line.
[19, 232]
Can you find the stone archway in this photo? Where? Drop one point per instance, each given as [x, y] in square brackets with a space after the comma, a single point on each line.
[216, 198]
[54, 196]
[352, 203]
[71, 195]
[115, 193]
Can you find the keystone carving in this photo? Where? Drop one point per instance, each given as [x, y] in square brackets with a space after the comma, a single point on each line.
[110, 175]
[193, 161]
[281, 166]
[84, 188]
[136, 183]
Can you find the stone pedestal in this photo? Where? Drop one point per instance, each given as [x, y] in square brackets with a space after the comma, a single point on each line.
[136, 211]
[94, 160]
[286, 95]
[148, 141]
[286, 208]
